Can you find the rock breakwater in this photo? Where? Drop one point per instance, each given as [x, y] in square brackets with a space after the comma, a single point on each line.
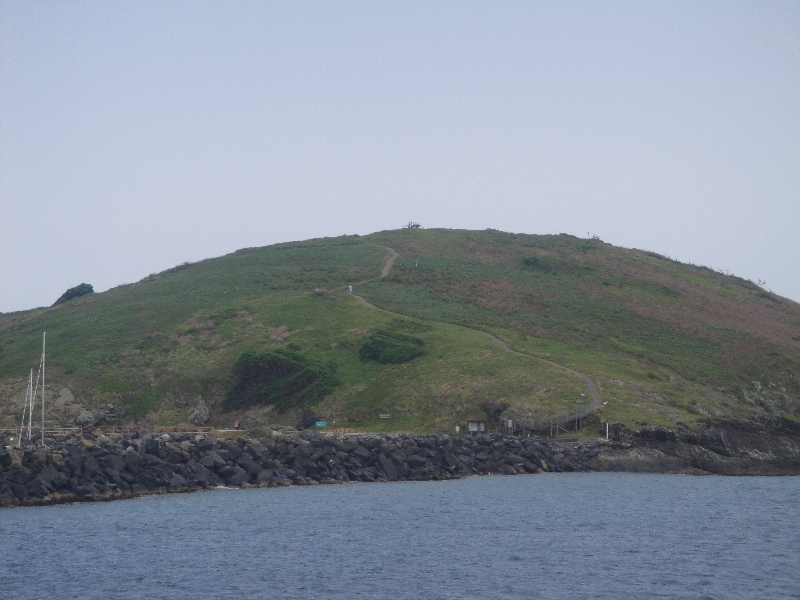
[96, 466]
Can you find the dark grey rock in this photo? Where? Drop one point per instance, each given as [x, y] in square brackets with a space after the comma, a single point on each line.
[177, 481]
[247, 462]
[49, 473]
[238, 476]
[415, 461]
[38, 487]
[212, 460]
[20, 491]
[204, 445]
[74, 464]
[112, 461]
[132, 461]
[114, 476]
[232, 449]
[227, 471]
[388, 467]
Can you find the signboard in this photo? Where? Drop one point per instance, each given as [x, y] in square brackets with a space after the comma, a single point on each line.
[321, 424]
[476, 426]
[385, 416]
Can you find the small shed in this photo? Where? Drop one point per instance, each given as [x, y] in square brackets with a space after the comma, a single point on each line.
[476, 427]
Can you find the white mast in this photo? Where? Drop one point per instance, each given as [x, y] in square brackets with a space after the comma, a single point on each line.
[34, 393]
[30, 400]
[28, 393]
[43, 340]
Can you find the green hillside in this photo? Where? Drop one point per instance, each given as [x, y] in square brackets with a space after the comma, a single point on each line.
[272, 336]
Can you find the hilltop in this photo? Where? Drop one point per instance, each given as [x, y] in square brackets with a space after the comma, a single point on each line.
[273, 336]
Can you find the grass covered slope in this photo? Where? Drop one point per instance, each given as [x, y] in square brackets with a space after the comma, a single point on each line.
[664, 340]
[269, 335]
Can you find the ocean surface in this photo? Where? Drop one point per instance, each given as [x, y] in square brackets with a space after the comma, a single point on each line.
[593, 535]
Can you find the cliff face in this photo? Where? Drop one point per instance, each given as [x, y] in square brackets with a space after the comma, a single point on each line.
[95, 466]
[771, 447]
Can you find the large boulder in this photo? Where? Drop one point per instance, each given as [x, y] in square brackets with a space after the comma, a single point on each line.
[388, 467]
[112, 461]
[248, 464]
[238, 477]
[132, 461]
[212, 460]
[415, 461]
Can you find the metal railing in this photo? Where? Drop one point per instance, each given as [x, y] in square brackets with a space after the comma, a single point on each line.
[552, 425]
[575, 415]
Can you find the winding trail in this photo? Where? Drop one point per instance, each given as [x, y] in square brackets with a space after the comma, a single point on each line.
[386, 268]
[597, 400]
[594, 392]
[389, 262]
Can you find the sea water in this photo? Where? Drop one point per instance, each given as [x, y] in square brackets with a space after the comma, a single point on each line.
[597, 535]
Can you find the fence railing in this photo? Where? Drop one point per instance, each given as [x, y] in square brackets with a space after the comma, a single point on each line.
[181, 429]
[575, 415]
[48, 431]
[549, 425]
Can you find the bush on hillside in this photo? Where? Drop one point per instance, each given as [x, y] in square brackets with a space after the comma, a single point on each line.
[547, 264]
[283, 379]
[391, 347]
[76, 292]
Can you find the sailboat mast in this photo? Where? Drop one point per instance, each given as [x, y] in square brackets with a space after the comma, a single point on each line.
[28, 393]
[43, 341]
[30, 401]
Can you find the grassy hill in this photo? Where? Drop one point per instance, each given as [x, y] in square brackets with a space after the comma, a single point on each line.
[270, 335]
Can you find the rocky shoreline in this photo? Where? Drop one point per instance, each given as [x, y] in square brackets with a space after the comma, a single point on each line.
[97, 467]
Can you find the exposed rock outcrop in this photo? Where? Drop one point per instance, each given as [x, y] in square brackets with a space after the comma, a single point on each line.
[199, 415]
[768, 447]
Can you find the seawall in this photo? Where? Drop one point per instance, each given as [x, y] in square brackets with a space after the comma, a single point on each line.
[96, 467]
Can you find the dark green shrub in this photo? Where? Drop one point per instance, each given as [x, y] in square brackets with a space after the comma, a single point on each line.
[76, 292]
[283, 379]
[766, 295]
[138, 405]
[391, 347]
[747, 284]
[546, 264]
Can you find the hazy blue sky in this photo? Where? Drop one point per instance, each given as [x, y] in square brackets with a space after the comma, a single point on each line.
[135, 136]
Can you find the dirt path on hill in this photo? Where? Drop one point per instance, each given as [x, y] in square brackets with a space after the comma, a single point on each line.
[389, 262]
[594, 392]
[597, 400]
[384, 272]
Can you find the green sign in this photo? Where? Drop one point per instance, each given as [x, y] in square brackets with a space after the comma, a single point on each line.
[321, 424]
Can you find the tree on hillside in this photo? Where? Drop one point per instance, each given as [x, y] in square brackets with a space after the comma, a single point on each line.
[76, 292]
